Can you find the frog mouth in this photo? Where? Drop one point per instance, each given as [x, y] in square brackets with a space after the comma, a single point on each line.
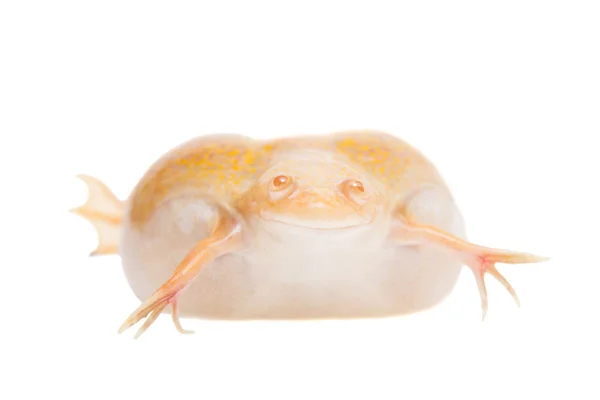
[356, 221]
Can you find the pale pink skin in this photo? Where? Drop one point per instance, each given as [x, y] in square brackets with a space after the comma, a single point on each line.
[290, 229]
[301, 262]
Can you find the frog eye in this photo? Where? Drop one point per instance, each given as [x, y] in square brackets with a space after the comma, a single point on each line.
[281, 186]
[354, 190]
[280, 182]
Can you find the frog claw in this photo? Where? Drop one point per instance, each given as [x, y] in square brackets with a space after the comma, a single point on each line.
[152, 308]
[486, 263]
[176, 322]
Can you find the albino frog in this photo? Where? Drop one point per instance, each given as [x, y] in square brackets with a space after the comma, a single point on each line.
[343, 225]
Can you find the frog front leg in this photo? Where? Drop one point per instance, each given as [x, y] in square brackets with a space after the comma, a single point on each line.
[408, 228]
[226, 237]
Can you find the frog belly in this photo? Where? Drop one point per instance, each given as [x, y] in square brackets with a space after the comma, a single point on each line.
[287, 275]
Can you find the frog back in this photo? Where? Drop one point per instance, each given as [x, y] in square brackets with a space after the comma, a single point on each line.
[220, 167]
[398, 166]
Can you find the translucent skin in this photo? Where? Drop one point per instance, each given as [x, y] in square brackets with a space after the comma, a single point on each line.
[322, 250]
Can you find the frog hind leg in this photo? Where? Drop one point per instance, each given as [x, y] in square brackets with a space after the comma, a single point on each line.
[104, 211]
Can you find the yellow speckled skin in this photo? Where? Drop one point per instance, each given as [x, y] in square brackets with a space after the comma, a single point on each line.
[226, 166]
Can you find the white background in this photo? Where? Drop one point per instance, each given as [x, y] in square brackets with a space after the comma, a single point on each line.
[502, 96]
